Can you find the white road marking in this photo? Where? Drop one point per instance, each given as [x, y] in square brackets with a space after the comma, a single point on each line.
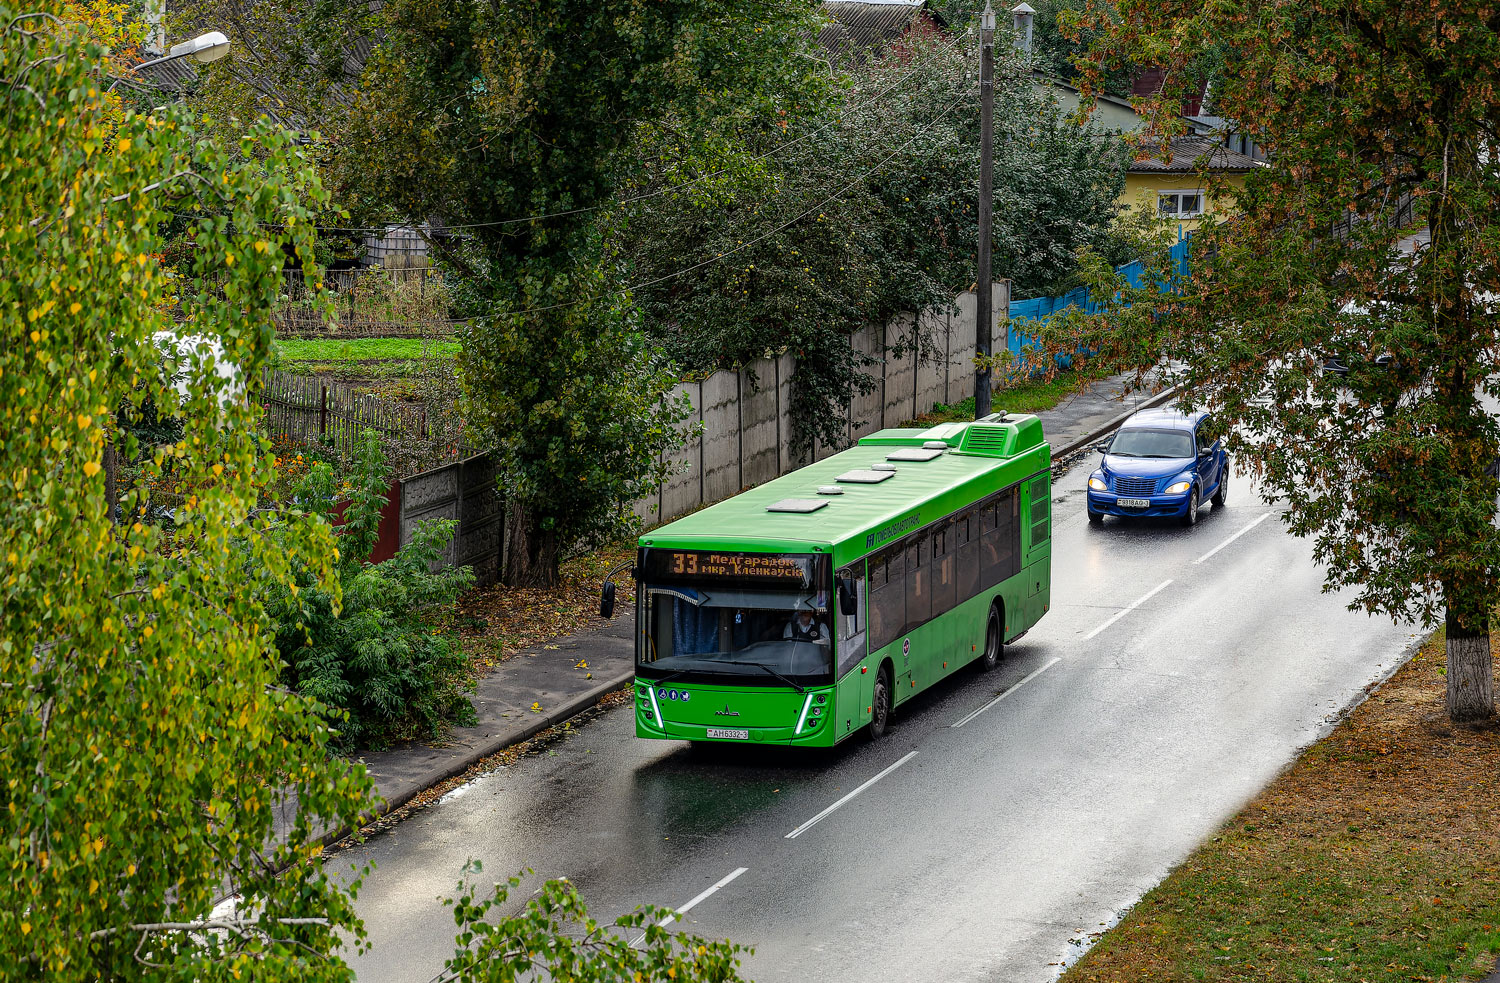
[679, 912]
[1032, 675]
[1233, 538]
[1128, 608]
[841, 802]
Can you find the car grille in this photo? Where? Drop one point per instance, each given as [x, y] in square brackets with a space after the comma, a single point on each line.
[1134, 486]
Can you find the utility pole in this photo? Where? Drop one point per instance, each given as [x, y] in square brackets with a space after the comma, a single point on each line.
[984, 318]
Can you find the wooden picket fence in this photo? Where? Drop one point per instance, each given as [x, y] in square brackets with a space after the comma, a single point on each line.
[337, 415]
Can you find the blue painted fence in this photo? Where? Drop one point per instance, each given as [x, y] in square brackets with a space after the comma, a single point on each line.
[1041, 308]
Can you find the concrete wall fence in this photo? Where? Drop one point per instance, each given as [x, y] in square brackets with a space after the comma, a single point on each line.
[747, 430]
[746, 433]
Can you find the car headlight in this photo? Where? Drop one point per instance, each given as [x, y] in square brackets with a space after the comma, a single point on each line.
[1098, 484]
[1178, 487]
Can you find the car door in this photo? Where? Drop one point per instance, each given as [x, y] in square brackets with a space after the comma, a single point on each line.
[1208, 455]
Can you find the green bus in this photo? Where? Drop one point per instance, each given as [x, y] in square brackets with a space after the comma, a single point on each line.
[802, 611]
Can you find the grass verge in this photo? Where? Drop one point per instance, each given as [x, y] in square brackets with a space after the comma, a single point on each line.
[1028, 397]
[1375, 857]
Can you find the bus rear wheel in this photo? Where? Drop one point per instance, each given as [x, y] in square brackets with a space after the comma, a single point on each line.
[880, 704]
[994, 642]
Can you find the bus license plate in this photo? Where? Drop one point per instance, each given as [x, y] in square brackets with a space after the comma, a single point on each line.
[1134, 503]
[729, 735]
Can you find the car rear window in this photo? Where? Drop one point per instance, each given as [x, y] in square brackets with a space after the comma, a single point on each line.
[1152, 443]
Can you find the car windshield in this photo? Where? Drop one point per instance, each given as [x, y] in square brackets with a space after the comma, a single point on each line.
[769, 637]
[1152, 443]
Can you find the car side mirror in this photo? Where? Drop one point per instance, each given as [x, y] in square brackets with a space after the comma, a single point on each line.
[607, 600]
[848, 597]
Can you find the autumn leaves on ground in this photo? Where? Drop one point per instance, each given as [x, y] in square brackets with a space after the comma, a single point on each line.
[1376, 857]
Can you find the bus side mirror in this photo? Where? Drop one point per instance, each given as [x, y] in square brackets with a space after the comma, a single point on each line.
[848, 597]
[607, 600]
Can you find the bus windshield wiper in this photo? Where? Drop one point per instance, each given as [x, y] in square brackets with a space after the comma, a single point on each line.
[762, 665]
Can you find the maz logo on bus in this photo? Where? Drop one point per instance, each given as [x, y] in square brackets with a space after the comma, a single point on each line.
[893, 530]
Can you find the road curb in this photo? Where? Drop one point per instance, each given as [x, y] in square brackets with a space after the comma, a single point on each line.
[1113, 424]
[509, 738]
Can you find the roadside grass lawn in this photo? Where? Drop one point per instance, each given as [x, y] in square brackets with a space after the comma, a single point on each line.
[1375, 857]
[1027, 397]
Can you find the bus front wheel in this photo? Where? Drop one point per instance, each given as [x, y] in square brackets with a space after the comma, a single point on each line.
[994, 642]
[880, 704]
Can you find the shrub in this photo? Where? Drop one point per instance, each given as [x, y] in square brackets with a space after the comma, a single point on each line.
[380, 657]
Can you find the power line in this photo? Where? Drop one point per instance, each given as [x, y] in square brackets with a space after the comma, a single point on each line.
[846, 111]
[760, 238]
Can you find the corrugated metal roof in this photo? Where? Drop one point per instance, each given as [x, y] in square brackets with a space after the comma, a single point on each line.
[861, 28]
[1188, 153]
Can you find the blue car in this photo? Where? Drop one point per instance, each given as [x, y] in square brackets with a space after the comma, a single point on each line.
[1160, 463]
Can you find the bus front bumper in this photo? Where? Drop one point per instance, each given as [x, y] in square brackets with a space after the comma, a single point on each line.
[735, 715]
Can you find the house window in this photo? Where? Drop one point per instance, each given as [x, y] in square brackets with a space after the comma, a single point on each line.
[1179, 204]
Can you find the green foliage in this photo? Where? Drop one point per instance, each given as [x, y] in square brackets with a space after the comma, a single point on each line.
[146, 742]
[553, 937]
[1387, 469]
[483, 115]
[581, 434]
[892, 228]
[376, 654]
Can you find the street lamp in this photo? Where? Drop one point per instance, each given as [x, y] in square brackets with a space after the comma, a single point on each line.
[203, 49]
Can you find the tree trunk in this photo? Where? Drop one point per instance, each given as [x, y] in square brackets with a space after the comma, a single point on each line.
[1471, 674]
[532, 554]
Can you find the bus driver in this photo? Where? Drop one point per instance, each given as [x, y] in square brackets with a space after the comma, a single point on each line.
[802, 628]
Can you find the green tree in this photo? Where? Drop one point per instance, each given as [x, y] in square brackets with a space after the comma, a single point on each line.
[1365, 106]
[863, 212]
[553, 937]
[479, 117]
[145, 741]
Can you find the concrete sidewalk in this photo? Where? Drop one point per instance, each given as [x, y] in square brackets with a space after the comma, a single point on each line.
[545, 685]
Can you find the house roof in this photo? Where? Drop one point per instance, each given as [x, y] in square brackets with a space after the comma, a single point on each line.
[1191, 152]
[860, 26]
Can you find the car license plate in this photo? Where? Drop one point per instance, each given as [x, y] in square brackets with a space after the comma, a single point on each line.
[1135, 503]
[729, 734]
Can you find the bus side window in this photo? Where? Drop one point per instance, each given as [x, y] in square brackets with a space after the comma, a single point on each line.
[990, 572]
[887, 596]
[1007, 538]
[966, 533]
[918, 582]
[944, 584]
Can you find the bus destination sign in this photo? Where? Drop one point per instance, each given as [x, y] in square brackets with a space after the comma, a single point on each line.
[780, 568]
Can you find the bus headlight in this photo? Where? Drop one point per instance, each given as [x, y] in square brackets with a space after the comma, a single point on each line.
[1178, 487]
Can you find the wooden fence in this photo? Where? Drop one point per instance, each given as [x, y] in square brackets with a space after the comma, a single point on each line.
[337, 415]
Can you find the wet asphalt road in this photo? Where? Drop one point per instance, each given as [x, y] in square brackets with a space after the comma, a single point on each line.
[1177, 672]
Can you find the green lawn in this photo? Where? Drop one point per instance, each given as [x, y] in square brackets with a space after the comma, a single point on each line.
[360, 349]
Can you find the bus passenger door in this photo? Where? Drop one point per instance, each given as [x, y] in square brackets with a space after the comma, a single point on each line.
[854, 688]
[1036, 518]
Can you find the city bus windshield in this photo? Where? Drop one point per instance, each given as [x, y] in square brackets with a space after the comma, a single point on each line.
[712, 614]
